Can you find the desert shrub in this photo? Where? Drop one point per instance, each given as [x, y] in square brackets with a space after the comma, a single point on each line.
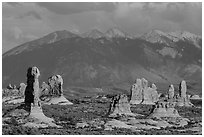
[196, 102]
[75, 101]
[19, 130]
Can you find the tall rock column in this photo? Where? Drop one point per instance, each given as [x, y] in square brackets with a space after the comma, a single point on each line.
[36, 116]
[182, 89]
[154, 94]
[171, 92]
[32, 88]
[148, 93]
[145, 89]
[182, 100]
[36, 88]
[136, 92]
[22, 88]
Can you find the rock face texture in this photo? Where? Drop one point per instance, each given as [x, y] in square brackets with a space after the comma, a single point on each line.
[56, 82]
[163, 115]
[136, 92]
[182, 89]
[154, 93]
[141, 93]
[171, 92]
[22, 88]
[164, 109]
[150, 95]
[195, 97]
[9, 86]
[33, 96]
[145, 91]
[30, 114]
[52, 93]
[13, 95]
[32, 88]
[45, 89]
[120, 106]
[182, 99]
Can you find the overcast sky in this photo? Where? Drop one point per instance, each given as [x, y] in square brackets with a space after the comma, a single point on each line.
[22, 22]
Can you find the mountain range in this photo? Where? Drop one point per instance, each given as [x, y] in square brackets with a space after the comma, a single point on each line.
[110, 59]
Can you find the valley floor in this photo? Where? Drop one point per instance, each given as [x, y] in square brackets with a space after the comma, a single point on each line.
[95, 109]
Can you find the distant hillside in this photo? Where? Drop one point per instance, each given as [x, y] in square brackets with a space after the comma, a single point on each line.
[114, 58]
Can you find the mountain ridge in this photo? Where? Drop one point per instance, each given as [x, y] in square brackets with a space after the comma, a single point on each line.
[153, 36]
[98, 62]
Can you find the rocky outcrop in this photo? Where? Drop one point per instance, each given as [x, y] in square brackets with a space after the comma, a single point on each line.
[32, 96]
[182, 89]
[146, 92]
[141, 93]
[56, 85]
[9, 86]
[22, 88]
[164, 109]
[182, 99]
[136, 92]
[57, 100]
[30, 114]
[150, 95]
[195, 97]
[13, 95]
[154, 93]
[52, 93]
[120, 106]
[164, 115]
[171, 92]
[45, 89]
[32, 88]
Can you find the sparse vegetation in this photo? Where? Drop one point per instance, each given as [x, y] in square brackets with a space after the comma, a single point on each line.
[89, 109]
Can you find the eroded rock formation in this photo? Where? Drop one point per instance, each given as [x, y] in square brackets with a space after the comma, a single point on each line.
[30, 114]
[195, 97]
[22, 88]
[182, 99]
[141, 93]
[45, 89]
[32, 99]
[120, 106]
[150, 95]
[56, 85]
[32, 88]
[154, 94]
[171, 92]
[52, 93]
[164, 109]
[136, 92]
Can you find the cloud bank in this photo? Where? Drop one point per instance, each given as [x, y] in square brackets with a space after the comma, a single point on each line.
[22, 22]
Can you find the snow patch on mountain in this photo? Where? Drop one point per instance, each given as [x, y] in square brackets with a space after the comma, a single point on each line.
[184, 35]
[115, 33]
[192, 68]
[167, 51]
[157, 36]
[95, 34]
[54, 39]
